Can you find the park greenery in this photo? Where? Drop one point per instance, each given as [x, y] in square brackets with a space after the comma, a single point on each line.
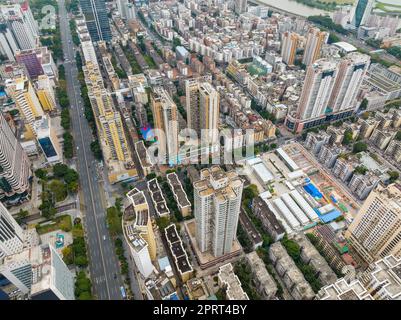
[56, 188]
[59, 223]
[327, 22]
[148, 59]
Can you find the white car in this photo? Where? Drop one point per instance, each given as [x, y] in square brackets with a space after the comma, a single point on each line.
[104, 237]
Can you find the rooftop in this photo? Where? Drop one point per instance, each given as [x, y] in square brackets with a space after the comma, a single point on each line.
[229, 279]
[177, 249]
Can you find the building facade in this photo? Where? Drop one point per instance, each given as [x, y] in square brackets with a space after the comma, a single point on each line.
[376, 230]
[217, 203]
[15, 166]
[96, 19]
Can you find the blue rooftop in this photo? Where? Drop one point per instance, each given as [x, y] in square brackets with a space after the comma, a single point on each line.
[313, 191]
[174, 296]
[330, 216]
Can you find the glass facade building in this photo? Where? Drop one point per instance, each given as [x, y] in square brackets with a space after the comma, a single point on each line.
[97, 20]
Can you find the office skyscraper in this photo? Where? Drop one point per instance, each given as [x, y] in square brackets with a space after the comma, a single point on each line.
[165, 117]
[314, 42]
[217, 203]
[290, 42]
[350, 73]
[96, 19]
[376, 231]
[203, 104]
[362, 12]
[14, 163]
[11, 234]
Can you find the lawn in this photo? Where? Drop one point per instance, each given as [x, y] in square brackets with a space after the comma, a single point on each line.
[62, 222]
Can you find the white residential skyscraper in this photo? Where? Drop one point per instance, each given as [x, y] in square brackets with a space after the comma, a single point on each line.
[314, 42]
[203, 105]
[351, 71]
[23, 27]
[289, 45]
[217, 203]
[14, 163]
[329, 92]
[165, 117]
[316, 91]
[376, 231]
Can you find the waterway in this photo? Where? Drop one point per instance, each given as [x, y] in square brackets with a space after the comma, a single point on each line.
[295, 7]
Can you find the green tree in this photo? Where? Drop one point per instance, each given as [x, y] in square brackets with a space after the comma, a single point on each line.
[394, 175]
[347, 137]
[59, 189]
[68, 255]
[96, 149]
[41, 174]
[359, 147]
[360, 170]
[163, 222]
[22, 214]
[60, 170]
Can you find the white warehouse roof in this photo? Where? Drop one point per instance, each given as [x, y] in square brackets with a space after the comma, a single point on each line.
[298, 213]
[286, 213]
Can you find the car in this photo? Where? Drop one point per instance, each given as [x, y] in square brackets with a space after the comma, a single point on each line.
[77, 148]
[115, 276]
[104, 237]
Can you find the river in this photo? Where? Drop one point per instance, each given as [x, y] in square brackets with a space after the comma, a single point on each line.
[294, 7]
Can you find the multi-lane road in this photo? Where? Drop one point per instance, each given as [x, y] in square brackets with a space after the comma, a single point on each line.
[103, 263]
